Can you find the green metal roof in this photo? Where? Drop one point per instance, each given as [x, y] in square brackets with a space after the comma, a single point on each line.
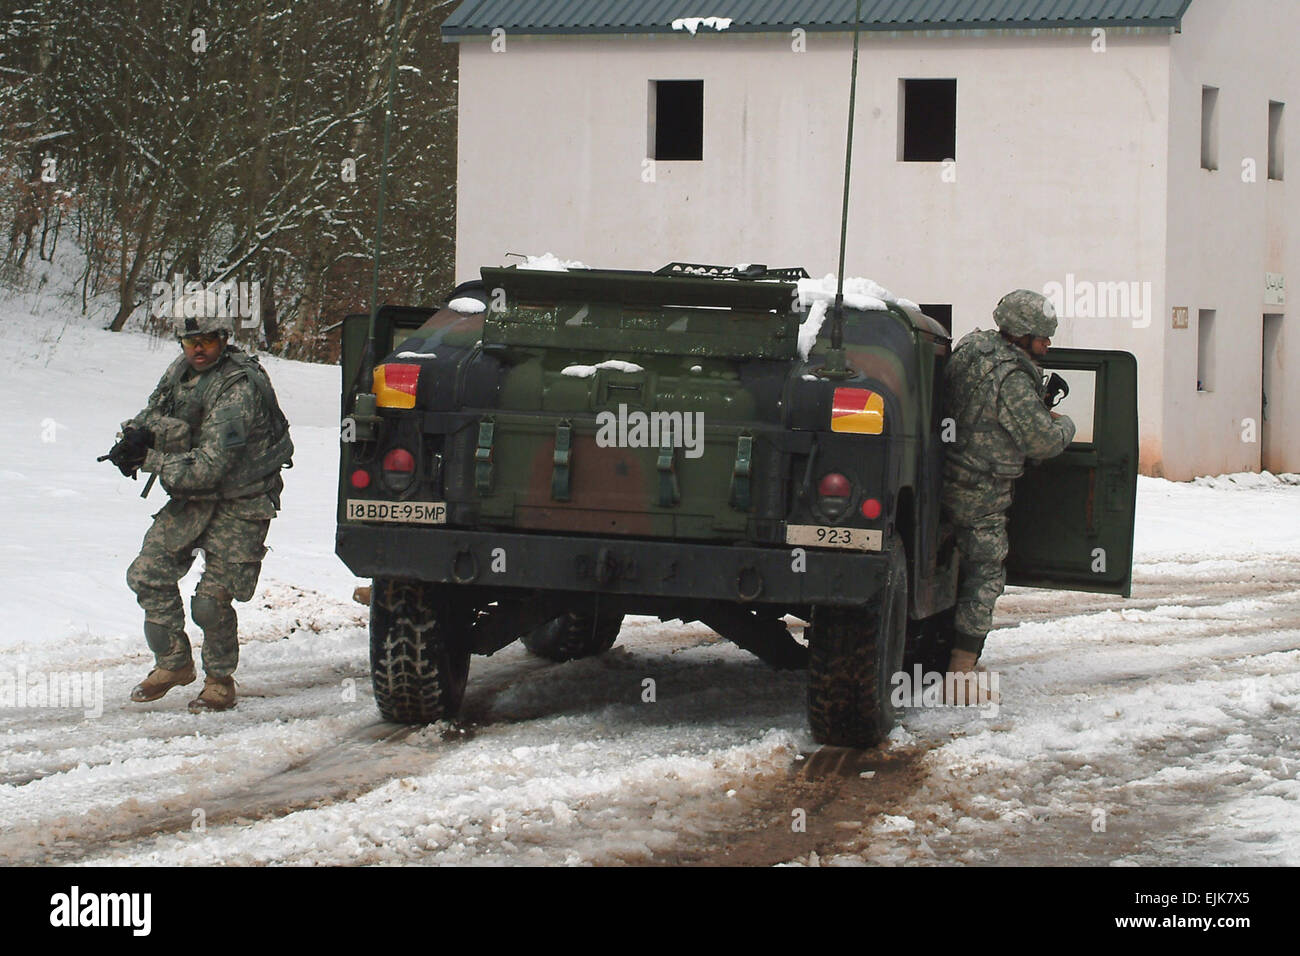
[478, 17]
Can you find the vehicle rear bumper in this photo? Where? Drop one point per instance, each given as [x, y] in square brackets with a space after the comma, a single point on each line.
[659, 569]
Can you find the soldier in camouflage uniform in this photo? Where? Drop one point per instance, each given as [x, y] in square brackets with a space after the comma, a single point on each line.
[994, 394]
[214, 436]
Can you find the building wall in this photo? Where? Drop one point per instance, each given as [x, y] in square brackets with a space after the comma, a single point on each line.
[1225, 233]
[1061, 167]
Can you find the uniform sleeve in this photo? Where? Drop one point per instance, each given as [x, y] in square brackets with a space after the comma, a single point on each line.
[153, 408]
[223, 437]
[1022, 413]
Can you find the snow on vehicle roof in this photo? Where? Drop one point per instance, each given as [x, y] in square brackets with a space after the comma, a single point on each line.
[859, 293]
[549, 262]
[816, 295]
[587, 371]
[810, 326]
[467, 304]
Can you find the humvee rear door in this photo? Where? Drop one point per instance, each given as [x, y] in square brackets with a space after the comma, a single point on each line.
[1071, 522]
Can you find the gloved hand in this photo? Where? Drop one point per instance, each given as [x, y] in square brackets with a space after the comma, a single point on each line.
[130, 451]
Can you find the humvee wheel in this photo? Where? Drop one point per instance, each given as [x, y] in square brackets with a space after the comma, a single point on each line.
[854, 651]
[419, 652]
[572, 635]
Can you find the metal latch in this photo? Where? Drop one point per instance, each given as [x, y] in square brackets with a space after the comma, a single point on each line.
[483, 457]
[740, 473]
[560, 474]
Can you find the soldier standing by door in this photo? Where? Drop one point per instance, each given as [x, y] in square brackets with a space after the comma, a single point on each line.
[994, 394]
[214, 436]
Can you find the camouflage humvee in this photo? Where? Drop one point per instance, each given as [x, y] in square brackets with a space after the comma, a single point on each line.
[555, 450]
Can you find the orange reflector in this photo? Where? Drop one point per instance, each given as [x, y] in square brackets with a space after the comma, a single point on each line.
[857, 410]
[395, 385]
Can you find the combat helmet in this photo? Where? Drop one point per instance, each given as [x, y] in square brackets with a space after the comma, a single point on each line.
[1025, 313]
[199, 324]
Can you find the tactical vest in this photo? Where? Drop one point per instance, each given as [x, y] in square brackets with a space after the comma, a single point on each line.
[979, 365]
[257, 470]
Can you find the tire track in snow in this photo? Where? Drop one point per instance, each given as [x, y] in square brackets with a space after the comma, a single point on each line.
[919, 808]
[825, 796]
[1154, 588]
[844, 811]
[365, 759]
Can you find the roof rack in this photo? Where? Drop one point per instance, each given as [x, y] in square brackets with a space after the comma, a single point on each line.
[752, 271]
[655, 290]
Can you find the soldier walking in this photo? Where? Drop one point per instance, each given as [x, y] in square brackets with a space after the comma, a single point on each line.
[214, 436]
[994, 393]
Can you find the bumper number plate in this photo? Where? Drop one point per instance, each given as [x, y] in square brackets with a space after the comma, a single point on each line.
[403, 512]
[817, 536]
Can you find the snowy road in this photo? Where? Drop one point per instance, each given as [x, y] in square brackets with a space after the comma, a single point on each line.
[1161, 729]
[1174, 717]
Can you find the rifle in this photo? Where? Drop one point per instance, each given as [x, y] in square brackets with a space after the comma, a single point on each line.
[118, 455]
[1056, 390]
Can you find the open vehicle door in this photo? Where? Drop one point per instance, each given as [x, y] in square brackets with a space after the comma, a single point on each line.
[1071, 522]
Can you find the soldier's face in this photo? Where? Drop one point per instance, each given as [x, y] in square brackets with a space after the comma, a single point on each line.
[1039, 345]
[202, 351]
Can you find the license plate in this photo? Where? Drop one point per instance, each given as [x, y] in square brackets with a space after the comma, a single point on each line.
[404, 512]
[817, 536]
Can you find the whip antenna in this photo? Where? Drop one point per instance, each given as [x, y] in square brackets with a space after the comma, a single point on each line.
[835, 360]
[383, 173]
[363, 414]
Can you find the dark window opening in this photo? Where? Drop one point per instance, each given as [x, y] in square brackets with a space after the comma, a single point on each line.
[1205, 350]
[1209, 127]
[941, 314]
[929, 120]
[1275, 139]
[677, 118]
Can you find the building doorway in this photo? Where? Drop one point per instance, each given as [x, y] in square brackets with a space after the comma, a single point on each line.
[1271, 452]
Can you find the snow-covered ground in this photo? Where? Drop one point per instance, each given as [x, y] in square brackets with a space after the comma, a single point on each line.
[1160, 729]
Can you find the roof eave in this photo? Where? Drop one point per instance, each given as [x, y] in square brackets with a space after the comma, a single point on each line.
[1153, 23]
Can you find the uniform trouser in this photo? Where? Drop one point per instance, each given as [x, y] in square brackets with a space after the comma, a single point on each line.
[981, 577]
[233, 549]
[977, 506]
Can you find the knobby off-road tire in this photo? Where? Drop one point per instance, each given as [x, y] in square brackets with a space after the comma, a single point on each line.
[855, 651]
[419, 651]
[573, 635]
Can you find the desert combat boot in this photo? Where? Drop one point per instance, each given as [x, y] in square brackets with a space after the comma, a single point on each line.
[218, 694]
[160, 681]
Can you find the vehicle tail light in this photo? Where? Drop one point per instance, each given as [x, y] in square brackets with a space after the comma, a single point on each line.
[360, 479]
[857, 410]
[871, 509]
[834, 492]
[834, 485]
[395, 385]
[398, 469]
